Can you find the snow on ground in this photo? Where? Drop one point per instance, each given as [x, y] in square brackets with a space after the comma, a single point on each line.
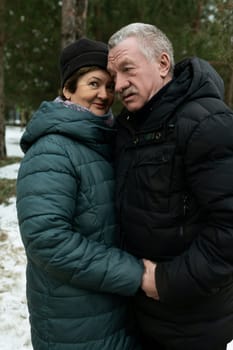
[9, 171]
[13, 134]
[14, 324]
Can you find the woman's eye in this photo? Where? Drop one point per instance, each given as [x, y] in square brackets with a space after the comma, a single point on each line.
[94, 84]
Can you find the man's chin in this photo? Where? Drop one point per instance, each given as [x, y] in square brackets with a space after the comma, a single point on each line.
[131, 106]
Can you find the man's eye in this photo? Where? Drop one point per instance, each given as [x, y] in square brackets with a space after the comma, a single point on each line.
[111, 87]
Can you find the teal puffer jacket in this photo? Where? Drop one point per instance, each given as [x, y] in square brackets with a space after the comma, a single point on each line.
[77, 279]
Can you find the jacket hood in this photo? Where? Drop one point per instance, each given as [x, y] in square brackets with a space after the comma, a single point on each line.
[83, 126]
[193, 79]
[199, 78]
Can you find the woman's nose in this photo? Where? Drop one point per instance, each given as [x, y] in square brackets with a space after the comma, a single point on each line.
[103, 92]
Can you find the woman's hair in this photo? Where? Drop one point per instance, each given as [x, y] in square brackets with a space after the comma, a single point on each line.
[71, 82]
[151, 40]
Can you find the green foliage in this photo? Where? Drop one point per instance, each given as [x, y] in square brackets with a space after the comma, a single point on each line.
[31, 51]
[33, 33]
[196, 27]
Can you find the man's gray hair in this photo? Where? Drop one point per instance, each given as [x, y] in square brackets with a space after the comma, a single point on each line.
[152, 41]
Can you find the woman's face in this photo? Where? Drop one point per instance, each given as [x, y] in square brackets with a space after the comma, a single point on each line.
[95, 91]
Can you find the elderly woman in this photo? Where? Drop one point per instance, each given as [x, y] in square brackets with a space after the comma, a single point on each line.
[77, 279]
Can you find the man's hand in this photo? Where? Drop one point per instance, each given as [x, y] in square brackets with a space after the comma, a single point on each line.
[148, 280]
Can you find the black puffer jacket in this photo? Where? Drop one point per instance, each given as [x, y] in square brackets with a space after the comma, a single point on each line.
[175, 206]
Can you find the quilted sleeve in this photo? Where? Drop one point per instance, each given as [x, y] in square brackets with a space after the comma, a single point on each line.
[207, 265]
[47, 189]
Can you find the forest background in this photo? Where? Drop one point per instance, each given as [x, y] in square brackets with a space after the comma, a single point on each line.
[33, 32]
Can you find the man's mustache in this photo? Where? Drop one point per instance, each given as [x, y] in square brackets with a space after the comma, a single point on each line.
[128, 91]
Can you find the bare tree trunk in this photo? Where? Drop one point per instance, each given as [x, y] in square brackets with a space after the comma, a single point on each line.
[2, 102]
[81, 18]
[97, 12]
[74, 14]
[68, 30]
[197, 20]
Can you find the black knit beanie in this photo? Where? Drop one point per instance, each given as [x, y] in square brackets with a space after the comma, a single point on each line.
[82, 53]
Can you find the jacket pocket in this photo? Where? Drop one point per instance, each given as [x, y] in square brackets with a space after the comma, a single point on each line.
[153, 169]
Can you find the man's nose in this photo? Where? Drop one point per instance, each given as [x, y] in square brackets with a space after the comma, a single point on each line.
[120, 83]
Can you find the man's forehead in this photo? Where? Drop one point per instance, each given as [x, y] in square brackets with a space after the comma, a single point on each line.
[121, 52]
[118, 60]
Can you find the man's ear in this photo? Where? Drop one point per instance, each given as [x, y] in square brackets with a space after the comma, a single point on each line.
[165, 65]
